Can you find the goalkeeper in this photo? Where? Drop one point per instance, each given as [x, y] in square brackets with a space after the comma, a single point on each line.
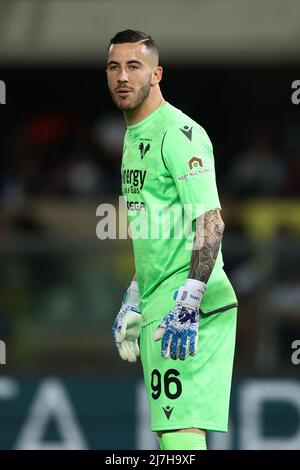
[180, 309]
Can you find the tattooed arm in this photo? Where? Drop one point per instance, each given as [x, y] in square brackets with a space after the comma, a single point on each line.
[180, 325]
[208, 237]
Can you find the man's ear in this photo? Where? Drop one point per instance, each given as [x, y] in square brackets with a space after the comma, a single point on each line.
[157, 75]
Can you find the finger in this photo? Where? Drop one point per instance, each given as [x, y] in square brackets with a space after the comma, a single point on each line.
[183, 347]
[158, 333]
[174, 346]
[122, 351]
[165, 346]
[136, 348]
[130, 355]
[193, 344]
[132, 348]
[188, 345]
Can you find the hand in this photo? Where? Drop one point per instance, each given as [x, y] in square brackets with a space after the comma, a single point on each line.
[127, 325]
[179, 328]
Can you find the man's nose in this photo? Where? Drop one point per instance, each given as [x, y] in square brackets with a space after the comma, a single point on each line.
[123, 76]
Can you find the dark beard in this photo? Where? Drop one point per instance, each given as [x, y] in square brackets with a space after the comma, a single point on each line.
[141, 97]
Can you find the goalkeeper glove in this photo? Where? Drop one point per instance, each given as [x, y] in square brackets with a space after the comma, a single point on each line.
[127, 325]
[179, 328]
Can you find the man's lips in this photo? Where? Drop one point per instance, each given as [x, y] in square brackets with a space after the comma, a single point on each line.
[123, 91]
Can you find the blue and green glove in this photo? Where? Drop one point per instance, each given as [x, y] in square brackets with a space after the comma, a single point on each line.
[179, 328]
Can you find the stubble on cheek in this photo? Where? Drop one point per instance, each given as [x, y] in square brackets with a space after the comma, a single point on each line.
[134, 100]
[121, 103]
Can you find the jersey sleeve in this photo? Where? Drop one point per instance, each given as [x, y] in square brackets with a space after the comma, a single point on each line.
[188, 155]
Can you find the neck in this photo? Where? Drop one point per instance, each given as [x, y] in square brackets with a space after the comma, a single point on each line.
[144, 110]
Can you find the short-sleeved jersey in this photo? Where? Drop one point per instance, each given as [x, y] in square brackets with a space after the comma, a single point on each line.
[168, 180]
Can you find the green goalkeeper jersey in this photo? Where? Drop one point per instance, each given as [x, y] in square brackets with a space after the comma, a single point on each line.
[168, 180]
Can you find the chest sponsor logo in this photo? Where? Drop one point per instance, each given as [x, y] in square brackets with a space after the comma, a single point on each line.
[195, 162]
[195, 166]
[144, 149]
[135, 206]
[133, 180]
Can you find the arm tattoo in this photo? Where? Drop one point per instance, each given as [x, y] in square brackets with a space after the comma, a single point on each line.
[208, 237]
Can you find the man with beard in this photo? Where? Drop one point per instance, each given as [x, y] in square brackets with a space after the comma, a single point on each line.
[180, 294]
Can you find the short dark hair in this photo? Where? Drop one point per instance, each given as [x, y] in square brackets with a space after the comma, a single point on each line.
[131, 35]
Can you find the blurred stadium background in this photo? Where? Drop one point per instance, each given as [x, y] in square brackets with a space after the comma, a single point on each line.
[230, 65]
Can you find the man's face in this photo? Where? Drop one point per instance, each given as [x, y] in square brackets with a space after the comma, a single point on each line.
[129, 74]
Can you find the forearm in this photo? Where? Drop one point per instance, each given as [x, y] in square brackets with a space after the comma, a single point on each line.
[208, 238]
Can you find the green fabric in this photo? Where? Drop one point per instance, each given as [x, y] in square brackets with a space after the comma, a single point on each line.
[168, 162]
[193, 393]
[161, 445]
[183, 441]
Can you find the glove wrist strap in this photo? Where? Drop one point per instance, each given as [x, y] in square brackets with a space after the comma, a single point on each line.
[132, 295]
[195, 285]
[191, 292]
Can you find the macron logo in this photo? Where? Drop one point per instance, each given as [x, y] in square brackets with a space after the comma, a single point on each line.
[168, 411]
[187, 131]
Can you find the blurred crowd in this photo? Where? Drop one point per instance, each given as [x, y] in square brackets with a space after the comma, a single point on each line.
[266, 167]
[62, 155]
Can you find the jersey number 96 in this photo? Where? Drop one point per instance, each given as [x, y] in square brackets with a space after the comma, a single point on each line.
[172, 385]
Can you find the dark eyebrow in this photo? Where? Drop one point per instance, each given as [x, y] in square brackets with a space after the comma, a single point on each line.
[129, 62]
[134, 62]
